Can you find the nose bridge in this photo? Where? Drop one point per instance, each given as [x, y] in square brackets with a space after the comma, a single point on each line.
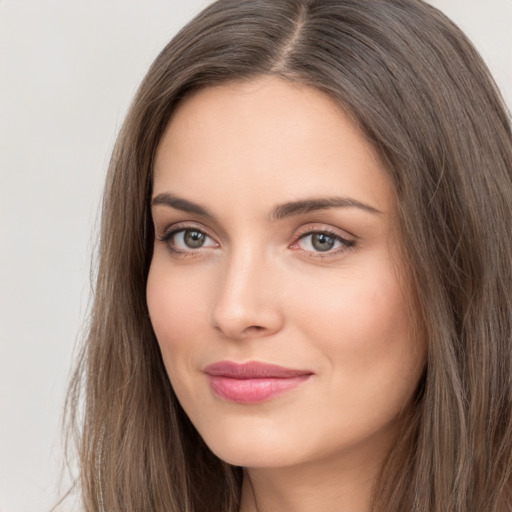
[246, 300]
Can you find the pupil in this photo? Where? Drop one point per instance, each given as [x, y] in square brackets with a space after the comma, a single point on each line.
[322, 242]
[194, 239]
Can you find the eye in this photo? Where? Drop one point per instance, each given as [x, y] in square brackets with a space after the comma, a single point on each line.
[322, 242]
[189, 239]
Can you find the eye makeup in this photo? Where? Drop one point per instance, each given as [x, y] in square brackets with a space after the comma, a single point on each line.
[317, 241]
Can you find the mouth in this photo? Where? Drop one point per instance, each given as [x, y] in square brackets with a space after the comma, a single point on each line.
[252, 382]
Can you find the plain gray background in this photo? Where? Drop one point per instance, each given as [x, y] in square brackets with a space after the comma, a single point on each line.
[68, 70]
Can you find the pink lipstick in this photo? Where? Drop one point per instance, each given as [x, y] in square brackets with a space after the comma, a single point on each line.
[252, 382]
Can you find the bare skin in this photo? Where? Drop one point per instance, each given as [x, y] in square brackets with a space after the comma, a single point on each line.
[274, 243]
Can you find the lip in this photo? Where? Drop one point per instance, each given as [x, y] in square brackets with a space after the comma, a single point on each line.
[254, 381]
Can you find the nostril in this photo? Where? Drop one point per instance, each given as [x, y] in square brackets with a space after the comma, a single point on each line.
[247, 332]
[253, 329]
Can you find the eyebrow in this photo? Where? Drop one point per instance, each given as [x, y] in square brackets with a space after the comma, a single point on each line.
[299, 207]
[303, 206]
[179, 203]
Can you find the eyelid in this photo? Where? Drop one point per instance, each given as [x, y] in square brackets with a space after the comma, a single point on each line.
[173, 229]
[347, 240]
[318, 227]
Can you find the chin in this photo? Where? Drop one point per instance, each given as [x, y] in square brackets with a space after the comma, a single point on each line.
[252, 449]
[255, 457]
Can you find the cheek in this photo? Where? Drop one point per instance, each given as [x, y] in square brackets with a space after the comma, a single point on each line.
[363, 326]
[363, 311]
[176, 305]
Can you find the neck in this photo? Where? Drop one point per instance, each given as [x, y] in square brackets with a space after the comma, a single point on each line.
[331, 485]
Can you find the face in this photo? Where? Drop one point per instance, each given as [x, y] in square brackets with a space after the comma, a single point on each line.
[275, 291]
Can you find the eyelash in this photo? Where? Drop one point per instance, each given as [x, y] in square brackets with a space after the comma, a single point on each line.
[168, 236]
[345, 244]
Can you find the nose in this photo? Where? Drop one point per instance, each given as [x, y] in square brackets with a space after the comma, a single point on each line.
[247, 303]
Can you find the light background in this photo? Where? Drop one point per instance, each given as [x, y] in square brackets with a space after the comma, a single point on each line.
[68, 70]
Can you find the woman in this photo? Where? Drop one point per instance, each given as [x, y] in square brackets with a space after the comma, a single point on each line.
[304, 289]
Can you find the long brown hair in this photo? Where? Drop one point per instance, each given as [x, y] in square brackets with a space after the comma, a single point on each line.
[424, 98]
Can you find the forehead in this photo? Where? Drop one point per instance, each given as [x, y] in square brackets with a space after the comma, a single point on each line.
[271, 138]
